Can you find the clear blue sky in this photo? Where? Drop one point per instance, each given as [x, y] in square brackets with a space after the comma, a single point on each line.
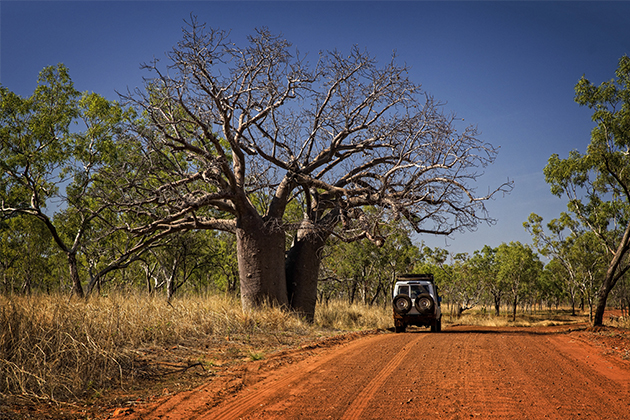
[507, 67]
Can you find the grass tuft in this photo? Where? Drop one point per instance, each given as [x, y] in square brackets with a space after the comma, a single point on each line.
[620, 321]
[339, 315]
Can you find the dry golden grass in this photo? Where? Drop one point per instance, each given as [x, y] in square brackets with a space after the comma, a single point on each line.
[58, 348]
[341, 316]
[542, 318]
[619, 321]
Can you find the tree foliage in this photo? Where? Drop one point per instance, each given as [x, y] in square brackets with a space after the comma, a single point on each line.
[363, 271]
[52, 145]
[26, 251]
[597, 183]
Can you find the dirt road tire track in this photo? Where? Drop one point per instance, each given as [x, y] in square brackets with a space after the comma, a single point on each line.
[268, 390]
[461, 373]
[361, 402]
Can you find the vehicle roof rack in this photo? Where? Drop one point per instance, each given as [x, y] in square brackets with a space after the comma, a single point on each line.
[412, 277]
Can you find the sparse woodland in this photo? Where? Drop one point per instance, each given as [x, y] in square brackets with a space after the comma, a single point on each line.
[290, 180]
[275, 182]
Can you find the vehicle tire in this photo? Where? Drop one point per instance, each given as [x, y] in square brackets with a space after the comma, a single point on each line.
[402, 304]
[436, 325]
[401, 329]
[424, 303]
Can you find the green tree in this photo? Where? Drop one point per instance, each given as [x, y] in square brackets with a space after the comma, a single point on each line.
[553, 281]
[485, 266]
[363, 270]
[468, 282]
[46, 162]
[591, 259]
[597, 183]
[435, 261]
[25, 255]
[559, 246]
[224, 263]
[519, 268]
[52, 145]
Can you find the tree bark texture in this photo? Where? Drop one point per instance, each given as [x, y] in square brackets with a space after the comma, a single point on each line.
[615, 270]
[302, 270]
[260, 248]
[497, 305]
[514, 309]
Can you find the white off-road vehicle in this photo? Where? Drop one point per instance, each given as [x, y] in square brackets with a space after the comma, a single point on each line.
[416, 302]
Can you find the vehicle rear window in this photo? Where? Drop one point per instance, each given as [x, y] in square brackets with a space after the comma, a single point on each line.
[403, 290]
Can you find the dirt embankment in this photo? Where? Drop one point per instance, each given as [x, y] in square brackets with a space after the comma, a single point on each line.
[461, 373]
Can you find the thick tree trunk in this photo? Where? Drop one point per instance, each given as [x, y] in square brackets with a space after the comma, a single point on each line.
[302, 270]
[260, 250]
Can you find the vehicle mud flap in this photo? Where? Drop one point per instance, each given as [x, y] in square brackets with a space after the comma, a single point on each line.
[436, 325]
[399, 326]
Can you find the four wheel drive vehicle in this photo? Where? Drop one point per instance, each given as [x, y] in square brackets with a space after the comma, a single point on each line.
[416, 302]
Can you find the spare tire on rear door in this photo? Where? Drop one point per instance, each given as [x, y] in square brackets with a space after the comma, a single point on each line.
[424, 303]
[402, 304]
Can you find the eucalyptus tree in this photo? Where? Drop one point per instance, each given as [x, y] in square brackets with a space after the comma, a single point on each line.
[558, 246]
[553, 285]
[52, 145]
[597, 183]
[591, 261]
[352, 270]
[26, 249]
[224, 262]
[485, 265]
[229, 124]
[468, 282]
[368, 269]
[519, 268]
[436, 261]
[178, 259]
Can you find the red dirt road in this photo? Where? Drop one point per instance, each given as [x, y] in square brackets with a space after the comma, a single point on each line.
[461, 373]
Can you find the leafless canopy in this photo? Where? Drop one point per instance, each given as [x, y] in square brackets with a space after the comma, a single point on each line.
[231, 129]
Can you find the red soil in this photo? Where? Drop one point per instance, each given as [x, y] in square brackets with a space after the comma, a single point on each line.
[462, 373]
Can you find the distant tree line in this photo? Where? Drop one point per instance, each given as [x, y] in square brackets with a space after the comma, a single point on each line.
[501, 280]
[250, 170]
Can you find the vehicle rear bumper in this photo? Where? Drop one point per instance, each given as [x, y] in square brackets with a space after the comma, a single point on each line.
[424, 320]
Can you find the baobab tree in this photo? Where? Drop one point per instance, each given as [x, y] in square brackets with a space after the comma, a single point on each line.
[260, 142]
